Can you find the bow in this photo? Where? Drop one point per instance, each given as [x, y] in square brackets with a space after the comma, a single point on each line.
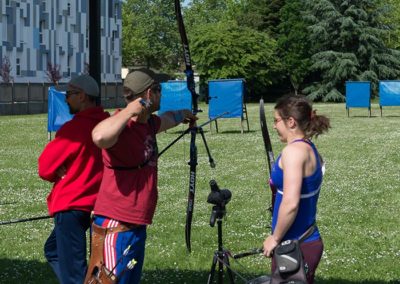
[268, 150]
[193, 131]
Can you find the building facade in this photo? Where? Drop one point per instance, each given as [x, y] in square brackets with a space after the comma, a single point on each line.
[37, 34]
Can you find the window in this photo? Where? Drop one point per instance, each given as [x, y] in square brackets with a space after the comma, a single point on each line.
[18, 67]
[69, 66]
[41, 27]
[87, 37]
[113, 40]
[115, 12]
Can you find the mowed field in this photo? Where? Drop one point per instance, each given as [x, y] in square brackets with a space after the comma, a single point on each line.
[358, 212]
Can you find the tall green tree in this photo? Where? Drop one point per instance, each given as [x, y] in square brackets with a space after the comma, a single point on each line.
[348, 44]
[201, 12]
[227, 50]
[294, 44]
[250, 13]
[272, 17]
[150, 35]
[393, 21]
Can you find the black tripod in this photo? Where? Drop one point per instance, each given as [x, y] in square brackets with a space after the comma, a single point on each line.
[221, 256]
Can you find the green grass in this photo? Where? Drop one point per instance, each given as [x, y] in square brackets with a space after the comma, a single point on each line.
[358, 209]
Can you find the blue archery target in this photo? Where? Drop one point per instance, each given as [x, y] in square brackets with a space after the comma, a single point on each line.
[226, 95]
[57, 110]
[174, 96]
[358, 94]
[389, 93]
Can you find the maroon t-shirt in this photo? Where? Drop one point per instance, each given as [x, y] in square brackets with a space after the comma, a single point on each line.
[129, 194]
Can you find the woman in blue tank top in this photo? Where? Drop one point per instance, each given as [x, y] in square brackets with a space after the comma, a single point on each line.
[297, 176]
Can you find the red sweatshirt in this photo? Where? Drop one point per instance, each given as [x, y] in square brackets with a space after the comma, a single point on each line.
[74, 149]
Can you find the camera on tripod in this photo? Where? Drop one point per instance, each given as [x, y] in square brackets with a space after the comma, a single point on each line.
[218, 197]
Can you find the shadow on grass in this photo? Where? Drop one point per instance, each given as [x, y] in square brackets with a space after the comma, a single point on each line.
[344, 281]
[36, 272]
[372, 116]
[213, 132]
[25, 271]
[362, 116]
[233, 131]
[200, 277]
[189, 276]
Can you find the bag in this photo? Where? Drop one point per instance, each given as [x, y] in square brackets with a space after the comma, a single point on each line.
[289, 262]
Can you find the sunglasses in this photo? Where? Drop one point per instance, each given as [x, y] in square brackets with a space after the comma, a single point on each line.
[129, 98]
[70, 93]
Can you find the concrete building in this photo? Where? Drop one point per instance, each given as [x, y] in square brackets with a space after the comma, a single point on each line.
[35, 33]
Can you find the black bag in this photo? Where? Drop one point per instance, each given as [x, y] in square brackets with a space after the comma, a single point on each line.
[289, 262]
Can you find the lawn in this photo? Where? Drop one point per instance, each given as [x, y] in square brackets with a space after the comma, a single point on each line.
[358, 210]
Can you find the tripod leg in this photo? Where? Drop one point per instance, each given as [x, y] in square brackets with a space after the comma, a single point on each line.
[210, 159]
[212, 271]
[220, 268]
[228, 268]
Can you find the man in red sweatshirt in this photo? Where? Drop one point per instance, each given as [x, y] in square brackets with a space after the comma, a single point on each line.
[74, 165]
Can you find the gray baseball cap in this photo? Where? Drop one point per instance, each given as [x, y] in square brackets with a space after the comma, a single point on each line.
[85, 83]
[139, 80]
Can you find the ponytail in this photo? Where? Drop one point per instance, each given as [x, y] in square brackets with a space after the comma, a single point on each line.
[317, 125]
[299, 107]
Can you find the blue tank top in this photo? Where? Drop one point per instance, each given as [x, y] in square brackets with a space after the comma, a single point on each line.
[310, 189]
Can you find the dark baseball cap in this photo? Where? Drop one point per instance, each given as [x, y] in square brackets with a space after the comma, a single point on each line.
[84, 83]
[139, 80]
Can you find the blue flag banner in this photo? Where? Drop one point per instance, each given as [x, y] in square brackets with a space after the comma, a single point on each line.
[58, 111]
[226, 95]
[174, 96]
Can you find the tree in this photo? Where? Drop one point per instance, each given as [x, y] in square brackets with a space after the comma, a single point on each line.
[150, 34]
[293, 43]
[272, 17]
[348, 44]
[393, 21]
[249, 13]
[203, 12]
[5, 70]
[53, 73]
[227, 50]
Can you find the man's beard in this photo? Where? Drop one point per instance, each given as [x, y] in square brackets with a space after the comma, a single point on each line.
[71, 110]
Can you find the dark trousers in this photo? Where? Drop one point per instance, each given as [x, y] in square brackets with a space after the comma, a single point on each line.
[65, 249]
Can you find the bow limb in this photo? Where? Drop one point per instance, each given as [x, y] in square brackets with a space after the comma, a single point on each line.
[193, 131]
[268, 150]
[187, 58]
